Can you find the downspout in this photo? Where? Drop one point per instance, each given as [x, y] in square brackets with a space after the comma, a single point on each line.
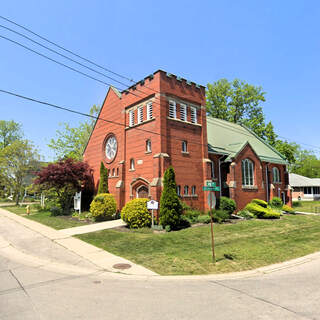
[267, 182]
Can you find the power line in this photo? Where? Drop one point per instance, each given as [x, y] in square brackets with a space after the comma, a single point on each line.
[66, 50]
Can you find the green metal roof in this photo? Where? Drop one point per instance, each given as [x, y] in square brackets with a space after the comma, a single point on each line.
[229, 138]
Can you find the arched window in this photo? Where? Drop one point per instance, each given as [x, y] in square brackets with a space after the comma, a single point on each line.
[179, 190]
[247, 172]
[276, 175]
[113, 172]
[148, 145]
[212, 169]
[193, 190]
[186, 190]
[117, 172]
[131, 164]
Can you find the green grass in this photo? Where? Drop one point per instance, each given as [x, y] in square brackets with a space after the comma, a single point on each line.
[56, 222]
[251, 244]
[308, 206]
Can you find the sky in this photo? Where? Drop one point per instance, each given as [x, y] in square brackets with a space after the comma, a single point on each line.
[272, 44]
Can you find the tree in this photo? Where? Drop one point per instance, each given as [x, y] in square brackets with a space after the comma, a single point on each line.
[170, 206]
[71, 141]
[307, 164]
[103, 183]
[237, 101]
[65, 177]
[18, 161]
[240, 102]
[10, 131]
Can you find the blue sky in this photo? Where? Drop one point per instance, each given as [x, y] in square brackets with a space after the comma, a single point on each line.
[274, 44]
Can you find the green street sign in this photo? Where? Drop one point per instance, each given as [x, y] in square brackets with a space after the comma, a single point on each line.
[211, 184]
[208, 188]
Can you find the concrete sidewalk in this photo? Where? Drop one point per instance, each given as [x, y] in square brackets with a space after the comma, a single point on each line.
[93, 227]
[99, 257]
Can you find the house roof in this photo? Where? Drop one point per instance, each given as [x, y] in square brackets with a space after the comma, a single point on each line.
[295, 180]
[229, 139]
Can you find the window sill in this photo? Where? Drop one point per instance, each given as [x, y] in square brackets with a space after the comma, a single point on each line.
[185, 122]
[139, 124]
[185, 153]
[249, 187]
[148, 152]
[277, 182]
[131, 170]
[112, 177]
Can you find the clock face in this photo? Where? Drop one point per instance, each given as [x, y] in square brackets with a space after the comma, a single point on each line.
[111, 148]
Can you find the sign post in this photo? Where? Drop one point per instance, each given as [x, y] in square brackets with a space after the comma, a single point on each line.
[77, 202]
[211, 186]
[152, 205]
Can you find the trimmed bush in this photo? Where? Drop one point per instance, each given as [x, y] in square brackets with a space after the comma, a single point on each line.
[260, 202]
[219, 216]
[271, 214]
[288, 209]
[255, 209]
[103, 183]
[136, 214]
[228, 205]
[203, 219]
[276, 202]
[170, 205]
[246, 214]
[103, 207]
[192, 215]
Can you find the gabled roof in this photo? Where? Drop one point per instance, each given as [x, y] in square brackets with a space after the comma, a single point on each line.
[295, 180]
[229, 138]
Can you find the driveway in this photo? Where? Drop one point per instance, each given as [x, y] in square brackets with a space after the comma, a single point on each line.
[39, 279]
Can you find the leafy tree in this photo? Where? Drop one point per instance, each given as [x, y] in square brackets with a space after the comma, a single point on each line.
[10, 131]
[237, 101]
[65, 177]
[18, 161]
[240, 102]
[103, 183]
[170, 206]
[307, 163]
[71, 141]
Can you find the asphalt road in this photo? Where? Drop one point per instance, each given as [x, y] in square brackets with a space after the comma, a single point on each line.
[41, 280]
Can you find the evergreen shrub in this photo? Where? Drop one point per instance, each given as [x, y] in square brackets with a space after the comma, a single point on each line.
[203, 219]
[246, 214]
[103, 207]
[260, 202]
[103, 183]
[227, 204]
[170, 205]
[136, 214]
[288, 209]
[276, 202]
[219, 216]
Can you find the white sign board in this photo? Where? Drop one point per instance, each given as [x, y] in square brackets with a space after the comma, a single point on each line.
[212, 200]
[77, 201]
[153, 205]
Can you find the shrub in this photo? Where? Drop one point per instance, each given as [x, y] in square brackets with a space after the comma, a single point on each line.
[260, 202]
[183, 223]
[255, 209]
[136, 214]
[296, 204]
[103, 207]
[184, 206]
[192, 215]
[219, 216]
[288, 209]
[103, 183]
[276, 202]
[203, 219]
[56, 211]
[170, 206]
[228, 205]
[246, 214]
[271, 214]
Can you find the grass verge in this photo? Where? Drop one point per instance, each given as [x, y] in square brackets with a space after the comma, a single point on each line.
[56, 222]
[308, 206]
[242, 246]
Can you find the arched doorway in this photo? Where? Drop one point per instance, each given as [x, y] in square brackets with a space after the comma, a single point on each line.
[142, 192]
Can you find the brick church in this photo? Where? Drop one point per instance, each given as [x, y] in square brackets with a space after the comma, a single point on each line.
[162, 121]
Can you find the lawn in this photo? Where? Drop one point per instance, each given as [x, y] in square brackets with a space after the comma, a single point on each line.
[308, 206]
[56, 222]
[240, 246]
